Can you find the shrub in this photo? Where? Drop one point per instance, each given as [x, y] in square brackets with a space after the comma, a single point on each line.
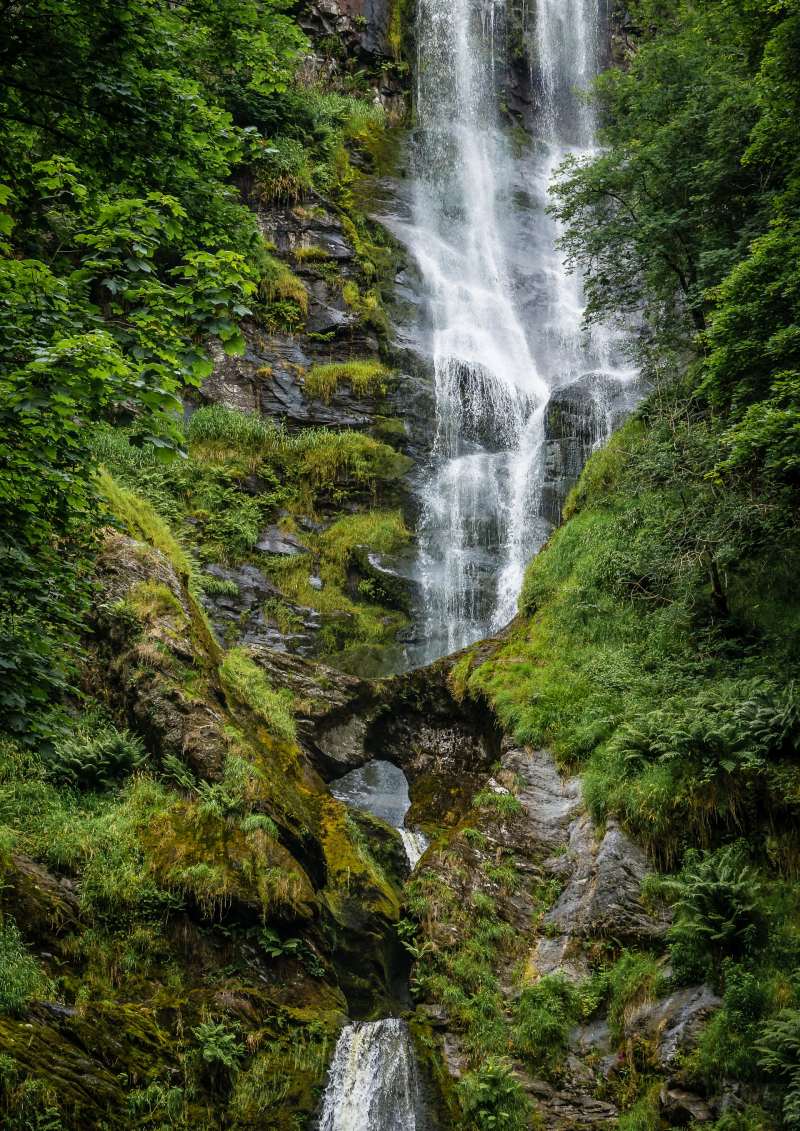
[95, 758]
[491, 1097]
[544, 1015]
[21, 979]
[718, 908]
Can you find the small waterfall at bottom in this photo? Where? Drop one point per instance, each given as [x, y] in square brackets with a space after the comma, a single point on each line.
[374, 1081]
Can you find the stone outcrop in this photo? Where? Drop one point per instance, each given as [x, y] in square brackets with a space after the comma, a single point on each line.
[671, 1025]
[579, 417]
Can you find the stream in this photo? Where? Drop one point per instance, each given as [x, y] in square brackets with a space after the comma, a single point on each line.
[500, 324]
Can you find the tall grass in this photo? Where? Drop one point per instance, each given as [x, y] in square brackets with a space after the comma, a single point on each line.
[365, 377]
[245, 681]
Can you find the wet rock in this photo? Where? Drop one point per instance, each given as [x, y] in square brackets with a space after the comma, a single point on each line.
[579, 417]
[680, 1108]
[241, 618]
[550, 802]
[273, 540]
[674, 1023]
[316, 582]
[594, 1037]
[602, 894]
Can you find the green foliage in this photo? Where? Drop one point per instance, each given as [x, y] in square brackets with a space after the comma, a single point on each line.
[718, 908]
[367, 378]
[544, 1015]
[689, 210]
[778, 1052]
[492, 1098]
[243, 679]
[94, 757]
[21, 978]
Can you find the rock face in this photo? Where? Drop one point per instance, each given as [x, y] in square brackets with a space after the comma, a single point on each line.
[673, 1024]
[551, 843]
[269, 376]
[579, 418]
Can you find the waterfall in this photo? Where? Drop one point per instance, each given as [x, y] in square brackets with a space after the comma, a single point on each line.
[503, 315]
[373, 1082]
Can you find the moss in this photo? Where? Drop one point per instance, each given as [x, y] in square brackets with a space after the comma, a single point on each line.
[145, 523]
[354, 876]
[311, 254]
[216, 862]
[365, 377]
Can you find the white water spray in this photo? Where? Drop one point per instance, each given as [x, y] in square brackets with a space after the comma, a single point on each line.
[505, 315]
[373, 1083]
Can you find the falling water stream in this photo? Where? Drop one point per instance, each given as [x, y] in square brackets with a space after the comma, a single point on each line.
[502, 324]
[503, 315]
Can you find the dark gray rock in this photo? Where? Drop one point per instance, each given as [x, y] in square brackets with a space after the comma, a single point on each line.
[602, 895]
[570, 1109]
[276, 541]
[680, 1108]
[674, 1023]
[579, 417]
[240, 618]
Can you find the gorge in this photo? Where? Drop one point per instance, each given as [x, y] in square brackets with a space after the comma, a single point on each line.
[399, 727]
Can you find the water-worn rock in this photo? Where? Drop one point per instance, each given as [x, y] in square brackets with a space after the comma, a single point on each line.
[602, 895]
[673, 1024]
[578, 418]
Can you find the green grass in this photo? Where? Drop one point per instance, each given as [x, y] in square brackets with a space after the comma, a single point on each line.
[365, 377]
[21, 978]
[245, 681]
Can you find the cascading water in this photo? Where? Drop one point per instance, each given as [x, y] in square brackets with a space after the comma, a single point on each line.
[504, 314]
[505, 331]
[374, 1084]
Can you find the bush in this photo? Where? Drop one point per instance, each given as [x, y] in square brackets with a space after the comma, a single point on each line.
[544, 1015]
[719, 912]
[491, 1098]
[95, 758]
[778, 1050]
[21, 979]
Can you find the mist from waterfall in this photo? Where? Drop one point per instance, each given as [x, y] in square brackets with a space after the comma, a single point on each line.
[504, 315]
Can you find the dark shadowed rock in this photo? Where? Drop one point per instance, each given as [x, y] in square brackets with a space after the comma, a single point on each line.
[242, 617]
[682, 1109]
[568, 1109]
[579, 417]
